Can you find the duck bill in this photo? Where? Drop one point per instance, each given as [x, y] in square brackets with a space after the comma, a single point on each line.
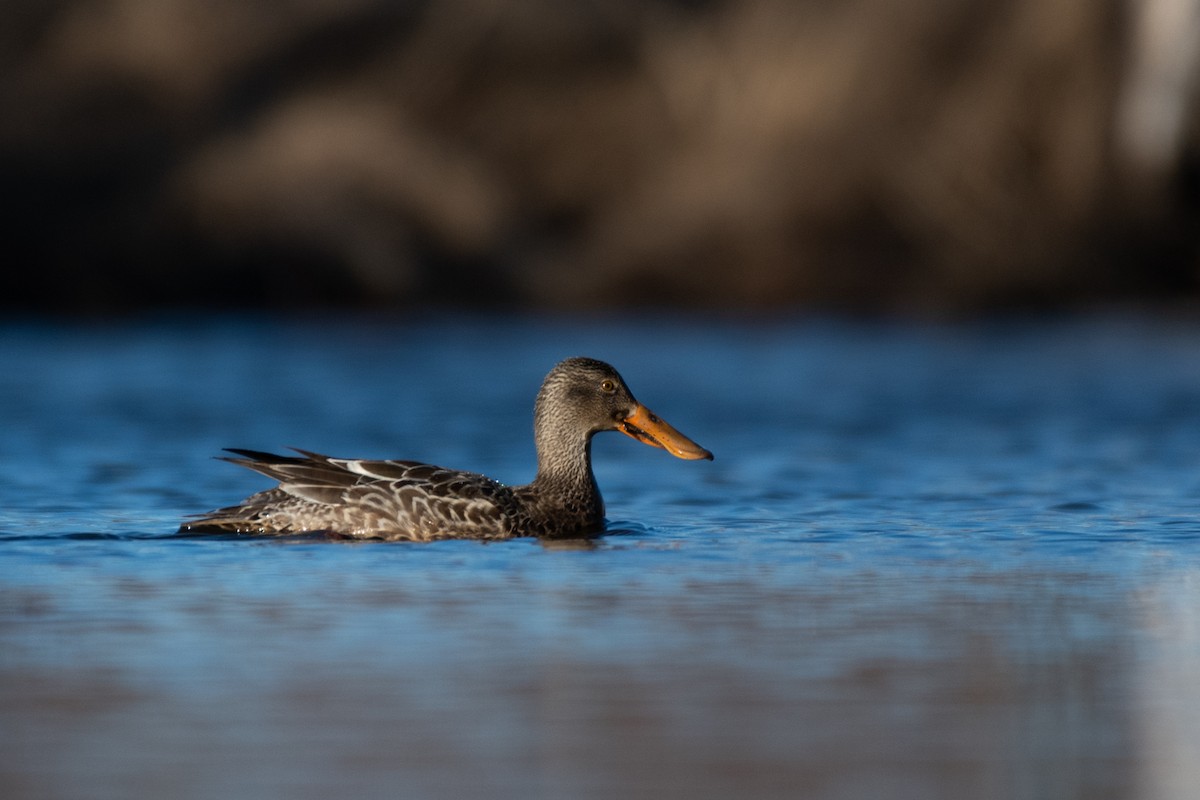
[647, 428]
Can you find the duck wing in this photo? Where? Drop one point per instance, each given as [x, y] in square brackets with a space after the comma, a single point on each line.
[364, 498]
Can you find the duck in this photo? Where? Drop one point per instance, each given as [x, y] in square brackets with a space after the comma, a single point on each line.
[409, 500]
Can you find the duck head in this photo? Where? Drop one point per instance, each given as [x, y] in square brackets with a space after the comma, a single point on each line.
[590, 396]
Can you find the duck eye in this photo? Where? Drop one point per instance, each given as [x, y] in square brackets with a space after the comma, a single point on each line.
[608, 386]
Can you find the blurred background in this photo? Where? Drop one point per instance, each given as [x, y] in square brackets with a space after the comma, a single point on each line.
[752, 155]
[941, 553]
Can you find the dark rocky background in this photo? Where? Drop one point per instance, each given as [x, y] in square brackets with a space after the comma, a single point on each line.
[936, 155]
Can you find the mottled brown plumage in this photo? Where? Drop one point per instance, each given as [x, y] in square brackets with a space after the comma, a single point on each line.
[410, 500]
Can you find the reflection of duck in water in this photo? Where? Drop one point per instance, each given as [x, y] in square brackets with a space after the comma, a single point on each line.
[410, 500]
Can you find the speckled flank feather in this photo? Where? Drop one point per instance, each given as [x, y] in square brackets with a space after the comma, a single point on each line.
[421, 502]
[370, 499]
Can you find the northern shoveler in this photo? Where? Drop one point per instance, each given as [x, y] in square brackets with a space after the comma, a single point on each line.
[410, 500]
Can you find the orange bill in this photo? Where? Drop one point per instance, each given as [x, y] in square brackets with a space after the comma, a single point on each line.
[647, 428]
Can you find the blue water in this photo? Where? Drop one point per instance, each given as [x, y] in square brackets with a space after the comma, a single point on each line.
[929, 561]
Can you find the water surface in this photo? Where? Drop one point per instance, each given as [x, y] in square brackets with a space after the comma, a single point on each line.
[934, 561]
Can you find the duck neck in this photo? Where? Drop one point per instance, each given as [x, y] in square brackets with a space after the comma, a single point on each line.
[564, 460]
[564, 477]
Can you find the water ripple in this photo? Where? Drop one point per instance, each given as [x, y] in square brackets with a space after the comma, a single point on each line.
[954, 561]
